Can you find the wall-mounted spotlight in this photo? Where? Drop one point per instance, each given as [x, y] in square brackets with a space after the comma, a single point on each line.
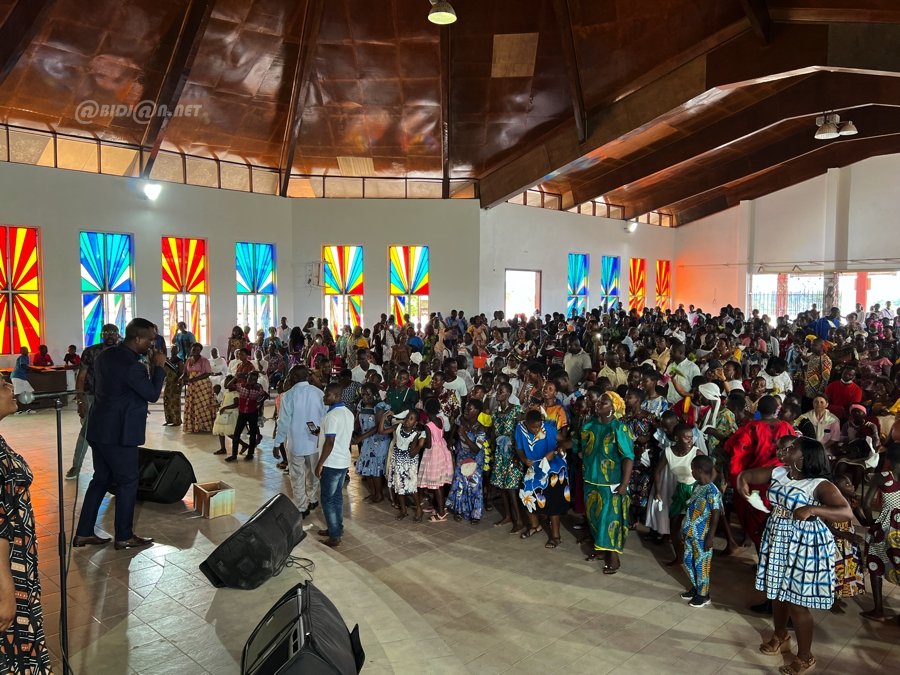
[631, 225]
[152, 191]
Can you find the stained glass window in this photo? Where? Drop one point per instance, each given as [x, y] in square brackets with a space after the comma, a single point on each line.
[409, 283]
[255, 265]
[20, 281]
[577, 283]
[637, 284]
[107, 282]
[185, 287]
[609, 282]
[343, 280]
[663, 284]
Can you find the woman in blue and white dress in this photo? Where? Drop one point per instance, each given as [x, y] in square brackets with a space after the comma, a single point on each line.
[797, 552]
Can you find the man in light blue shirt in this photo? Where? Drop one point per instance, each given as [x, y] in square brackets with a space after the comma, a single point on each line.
[301, 405]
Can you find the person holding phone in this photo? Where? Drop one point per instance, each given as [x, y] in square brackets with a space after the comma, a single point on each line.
[301, 412]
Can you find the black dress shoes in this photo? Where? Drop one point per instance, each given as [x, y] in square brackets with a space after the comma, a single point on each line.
[93, 540]
[134, 542]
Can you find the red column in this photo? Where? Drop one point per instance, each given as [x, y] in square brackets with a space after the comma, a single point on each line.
[781, 294]
[862, 290]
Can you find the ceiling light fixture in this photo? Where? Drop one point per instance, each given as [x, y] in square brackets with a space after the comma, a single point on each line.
[828, 126]
[442, 13]
[849, 129]
[152, 191]
[631, 226]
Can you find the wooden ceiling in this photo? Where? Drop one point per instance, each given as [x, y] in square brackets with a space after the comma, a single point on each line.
[671, 105]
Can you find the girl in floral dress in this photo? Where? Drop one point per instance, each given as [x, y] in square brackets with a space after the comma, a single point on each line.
[436, 467]
[409, 439]
[466, 496]
[373, 445]
[507, 473]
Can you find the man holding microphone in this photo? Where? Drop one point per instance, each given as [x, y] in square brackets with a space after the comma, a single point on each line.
[116, 427]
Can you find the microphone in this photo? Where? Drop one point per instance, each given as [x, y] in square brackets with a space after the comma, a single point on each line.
[27, 397]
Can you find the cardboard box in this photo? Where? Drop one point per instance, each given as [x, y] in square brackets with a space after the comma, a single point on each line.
[213, 499]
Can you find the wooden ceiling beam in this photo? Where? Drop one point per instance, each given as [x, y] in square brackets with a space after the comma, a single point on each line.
[804, 168]
[757, 12]
[741, 62]
[834, 11]
[808, 96]
[312, 21]
[193, 26]
[874, 122]
[21, 25]
[570, 56]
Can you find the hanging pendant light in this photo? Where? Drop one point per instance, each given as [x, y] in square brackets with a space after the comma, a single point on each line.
[442, 13]
[849, 129]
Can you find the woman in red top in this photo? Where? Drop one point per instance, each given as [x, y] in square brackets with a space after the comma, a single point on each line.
[754, 446]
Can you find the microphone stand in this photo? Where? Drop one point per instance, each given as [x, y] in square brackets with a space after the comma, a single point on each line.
[27, 398]
[63, 544]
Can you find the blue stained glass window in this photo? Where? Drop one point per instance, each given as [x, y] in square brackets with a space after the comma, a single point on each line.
[107, 282]
[255, 285]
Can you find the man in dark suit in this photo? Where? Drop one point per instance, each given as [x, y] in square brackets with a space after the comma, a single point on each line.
[118, 420]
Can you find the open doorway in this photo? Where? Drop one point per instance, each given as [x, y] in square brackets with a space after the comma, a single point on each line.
[523, 292]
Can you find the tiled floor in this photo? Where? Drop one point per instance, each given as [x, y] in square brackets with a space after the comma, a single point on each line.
[429, 598]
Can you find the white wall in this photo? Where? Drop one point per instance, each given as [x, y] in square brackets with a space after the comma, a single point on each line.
[521, 237]
[842, 221]
[63, 203]
[448, 227]
[708, 261]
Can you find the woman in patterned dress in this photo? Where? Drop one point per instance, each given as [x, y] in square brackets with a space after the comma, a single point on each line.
[883, 559]
[200, 403]
[606, 447]
[848, 566]
[507, 472]
[797, 551]
[172, 395]
[545, 486]
[466, 496]
[640, 425]
[23, 649]
[373, 445]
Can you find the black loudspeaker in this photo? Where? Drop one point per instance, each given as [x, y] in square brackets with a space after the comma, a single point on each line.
[259, 549]
[303, 633]
[164, 477]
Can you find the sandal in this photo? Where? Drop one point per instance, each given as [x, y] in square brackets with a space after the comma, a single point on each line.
[776, 645]
[401, 516]
[435, 518]
[530, 532]
[798, 666]
[220, 452]
[610, 570]
[593, 557]
[552, 543]
[418, 518]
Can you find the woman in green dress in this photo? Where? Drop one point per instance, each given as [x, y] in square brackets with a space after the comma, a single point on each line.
[507, 472]
[607, 452]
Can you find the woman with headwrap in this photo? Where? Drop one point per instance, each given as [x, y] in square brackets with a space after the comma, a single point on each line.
[607, 450]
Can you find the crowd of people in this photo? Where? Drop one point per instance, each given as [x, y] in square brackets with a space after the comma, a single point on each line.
[682, 425]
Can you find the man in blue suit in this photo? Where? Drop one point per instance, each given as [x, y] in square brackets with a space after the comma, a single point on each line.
[118, 420]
